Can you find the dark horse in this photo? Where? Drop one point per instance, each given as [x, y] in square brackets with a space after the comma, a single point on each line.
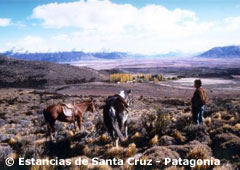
[115, 114]
[56, 112]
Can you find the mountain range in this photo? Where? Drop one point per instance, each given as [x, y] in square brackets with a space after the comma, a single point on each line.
[222, 52]
[65, 56]
[73, 56]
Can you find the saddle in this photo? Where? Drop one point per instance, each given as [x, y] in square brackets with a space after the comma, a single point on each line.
[69, 105]
[68, 109]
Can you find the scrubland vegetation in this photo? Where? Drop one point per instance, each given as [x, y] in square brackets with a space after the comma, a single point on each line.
[158, 128]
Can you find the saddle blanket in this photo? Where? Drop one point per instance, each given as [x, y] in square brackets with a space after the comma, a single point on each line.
[67, 111]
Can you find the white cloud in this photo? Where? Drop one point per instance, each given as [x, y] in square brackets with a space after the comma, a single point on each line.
[4, 22]
[29, 43]
[104, 25]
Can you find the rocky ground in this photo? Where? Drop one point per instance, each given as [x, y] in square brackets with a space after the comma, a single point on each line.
[160, 126]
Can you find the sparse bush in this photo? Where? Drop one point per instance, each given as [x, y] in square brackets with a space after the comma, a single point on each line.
[197, 132]
[148, 121]
[156, 121]
[162, 121]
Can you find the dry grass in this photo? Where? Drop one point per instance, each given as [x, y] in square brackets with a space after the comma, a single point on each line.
[42, 167]
[100, 167]
[11, 141]
[227, 126]
[174, 168]
[237, 126]
[178, 135]
[90, 140]
[199, 152]
[13, 155]
[78, 167]
[126, 166]
[232, 119]
[224, 167]
[131, 150]
[208, 121]
[70, 133]
[91, 128]
[120, 152]
[136, 135]
[103, 138]
[86, 150]
[154, 141]
[218, 116]
[115, 152]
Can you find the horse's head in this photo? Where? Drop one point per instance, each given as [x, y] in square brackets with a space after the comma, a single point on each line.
[126, 94]
[91, 106]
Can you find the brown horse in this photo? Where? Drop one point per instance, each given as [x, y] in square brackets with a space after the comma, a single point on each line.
[55, 112]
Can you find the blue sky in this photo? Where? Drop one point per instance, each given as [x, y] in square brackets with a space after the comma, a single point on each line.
[138, 26]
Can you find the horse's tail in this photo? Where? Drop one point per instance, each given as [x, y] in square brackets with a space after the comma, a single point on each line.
[114, 124]
[118, 132]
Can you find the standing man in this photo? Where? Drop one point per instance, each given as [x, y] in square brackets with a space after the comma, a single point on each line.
[199, 100]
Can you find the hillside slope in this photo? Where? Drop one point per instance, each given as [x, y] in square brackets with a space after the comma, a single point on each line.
[21, 73]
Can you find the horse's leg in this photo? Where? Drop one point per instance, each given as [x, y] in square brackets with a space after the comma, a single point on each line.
[117, 141]
[51, 130]
[126, 129]
[114, 137]
[79, 119]
[125, 123]
[75, 127]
